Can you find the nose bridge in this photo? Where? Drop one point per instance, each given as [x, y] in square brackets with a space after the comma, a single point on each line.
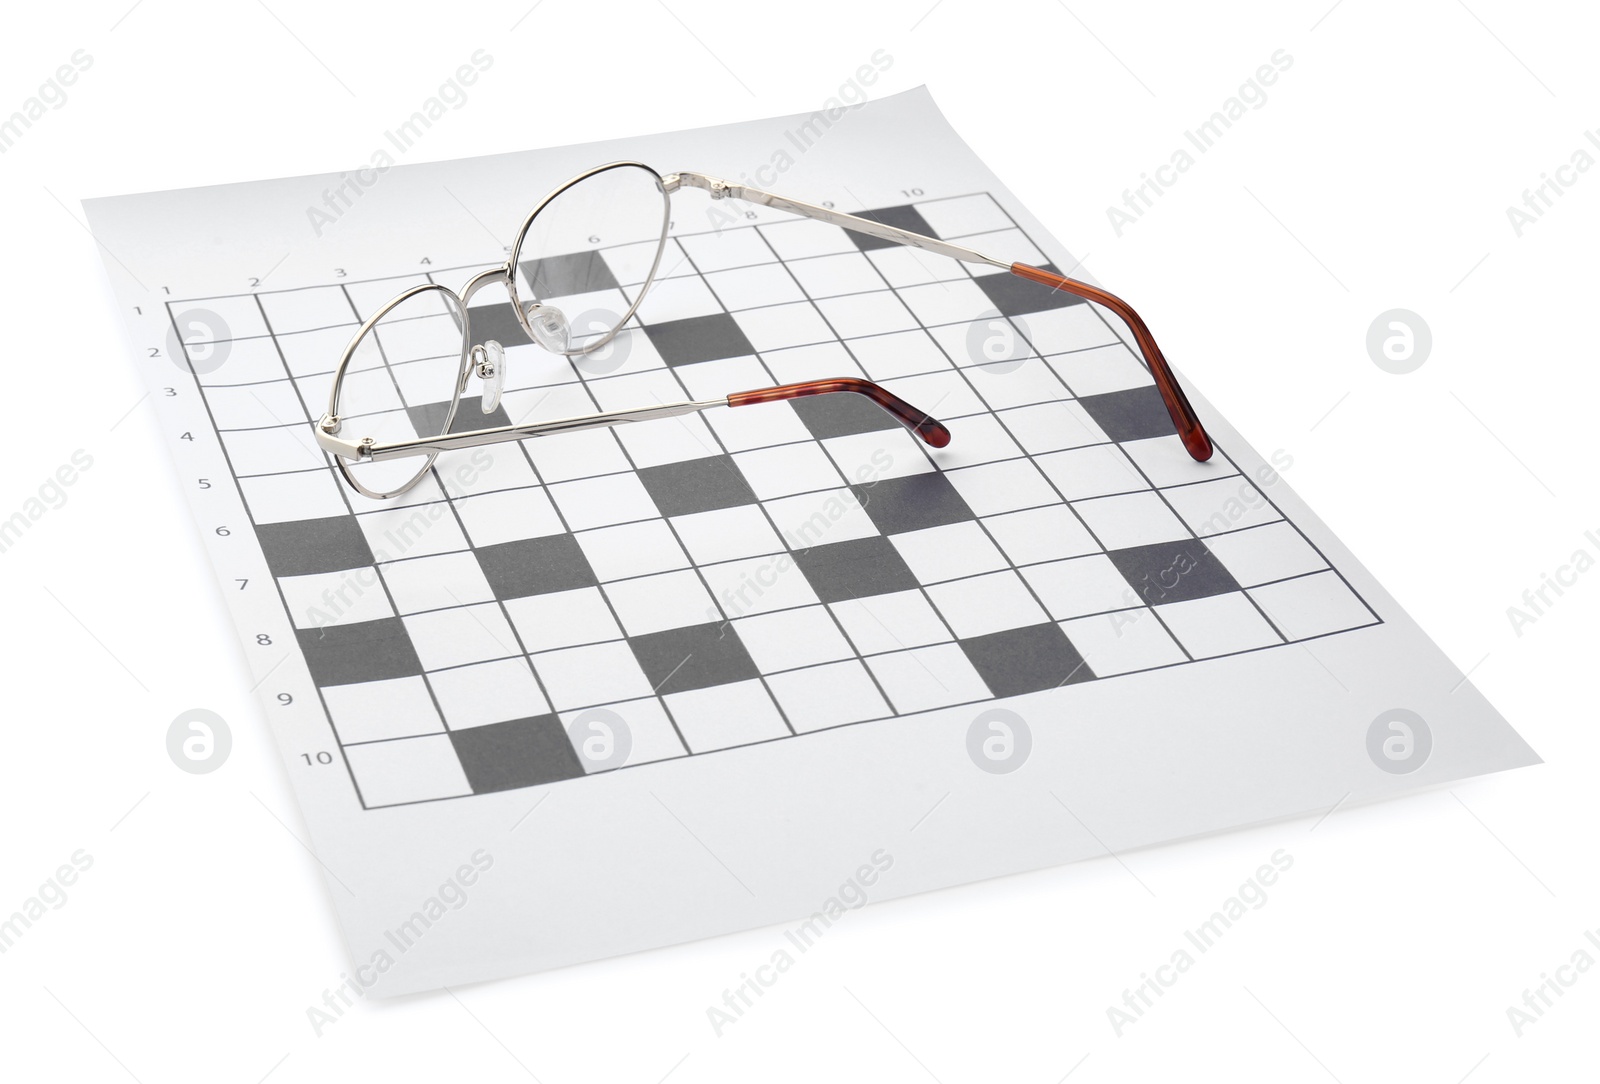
[482, 279]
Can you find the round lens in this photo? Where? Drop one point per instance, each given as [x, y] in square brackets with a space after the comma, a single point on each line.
[400, 384]
[590, 251]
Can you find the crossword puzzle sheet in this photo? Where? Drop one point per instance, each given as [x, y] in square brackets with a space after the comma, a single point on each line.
[741, 650]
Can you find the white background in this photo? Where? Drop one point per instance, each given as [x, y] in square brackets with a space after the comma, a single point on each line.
[1377, 175]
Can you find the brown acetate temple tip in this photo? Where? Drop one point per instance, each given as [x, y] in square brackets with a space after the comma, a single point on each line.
[931, 430]
[1184, 419]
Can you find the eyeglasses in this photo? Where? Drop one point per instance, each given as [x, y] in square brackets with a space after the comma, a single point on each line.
[601, 233]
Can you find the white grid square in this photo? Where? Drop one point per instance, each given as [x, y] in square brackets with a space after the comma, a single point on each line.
[749, 287]
[562, 618]
[1260, 555]
[1006, 486]
[758, 585]
[272, 451]
[226, 319]
[726, 248]
[883, 453]
[1008, 384]
[960, 216]
[632, 549]
[577, 677]
[855, 315]
[677, 299]
[1041, 534]
[315, 307]
[978, 438]
[800, 238]
[778, 326]
[1100, 369]
[787, 469]
[899, 353]
[825, 696]
[285, 498]
[726, 534]
[435, 583]
[668, 600]
[1080, 586]
[446, 638]
[726, 715]
[1312, 605]
[601, 502]
[249, 361]
[508, 515]
[256, 406]
[407, 770]
[833, 515]
[490, 692]
[928, 677]
[790, 639]
[890, 622]
[983, 604]
[1094, 471]
[1060, 331]
[304, 353]
[381, 710]
[418, 531]
[1218, 625]
[1050, 427]
[1122, 642]
[959, 301]
[842, 273]
[651, 735]
[948, 552]
[1133, 519]
[1226, 504]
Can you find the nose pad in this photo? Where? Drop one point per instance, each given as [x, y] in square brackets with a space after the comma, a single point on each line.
[550, 328]
[490, 363]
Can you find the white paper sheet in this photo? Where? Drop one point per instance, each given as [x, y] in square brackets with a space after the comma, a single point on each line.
[845, 723]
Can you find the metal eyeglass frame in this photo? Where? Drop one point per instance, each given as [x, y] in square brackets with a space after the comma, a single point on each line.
[367, 450]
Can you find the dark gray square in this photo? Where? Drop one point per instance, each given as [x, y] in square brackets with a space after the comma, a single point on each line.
[567, 275]
[842, 415]
[1130, 414]
[905, 217]
[428, 419]
[363, 651]
[699, 338]
[858, 568]
[518, 753]
[304, 547]
[535, 566]
[1025, 660]
[897, 505]
[1173, 571]
[497, 322]
[696, 485]
[1013, 295]
[695, 657]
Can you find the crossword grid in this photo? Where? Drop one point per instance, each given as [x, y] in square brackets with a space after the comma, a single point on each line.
[542, 610]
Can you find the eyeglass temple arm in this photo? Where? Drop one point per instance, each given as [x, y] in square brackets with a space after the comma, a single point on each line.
[1184, 420]
[929, 429]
